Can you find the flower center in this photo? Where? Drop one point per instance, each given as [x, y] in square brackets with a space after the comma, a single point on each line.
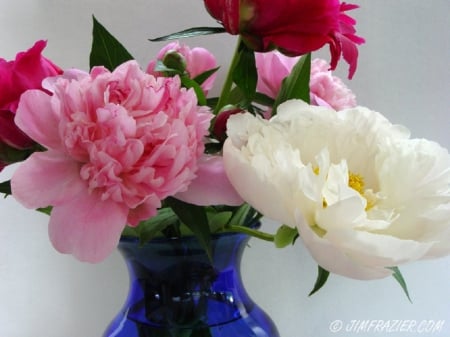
[356, 182]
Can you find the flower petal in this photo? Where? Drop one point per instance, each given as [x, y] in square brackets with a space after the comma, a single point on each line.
[46, 178]
[36, 117]
[333, 259]
[87, 227]
[211, 187]
[254, 188]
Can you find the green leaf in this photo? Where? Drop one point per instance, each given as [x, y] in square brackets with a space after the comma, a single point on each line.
[200, 78]
[9, 155]
[399, 278]
[240, 215]
[194, 217]
[5, 187]
[244, 74]
[322, 277]
[150, 228]
[46, 210]
[296, 85]
[196, 31]
[264, 99]
[285, 236]
[190, 83]
[168, 72]
[106, 50]
[218, 220]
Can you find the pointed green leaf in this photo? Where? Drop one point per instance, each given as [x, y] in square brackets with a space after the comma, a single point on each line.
[200, 78]
[285, 236]
[9, 155]
[189, 83]
[244, 74]
[161, 67]
[106, 50]
[152, 227]
[194, 217]
[5, 187]
[263, 99]
[218, 220]
[399, 278]
[322, 277]
[46, 210]
[240, 215]
[296, 85]
[196, 31]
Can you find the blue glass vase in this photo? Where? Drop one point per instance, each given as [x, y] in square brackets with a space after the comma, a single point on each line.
[177, 291]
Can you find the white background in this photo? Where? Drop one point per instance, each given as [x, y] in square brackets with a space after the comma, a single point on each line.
[403, 72]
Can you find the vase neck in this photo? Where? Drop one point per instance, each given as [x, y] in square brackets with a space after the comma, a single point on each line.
[175, 284]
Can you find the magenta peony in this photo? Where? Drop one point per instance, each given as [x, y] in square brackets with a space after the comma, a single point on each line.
[118, 143]
[196, 61]
[325, 89]
[25, 72]
[293, 27]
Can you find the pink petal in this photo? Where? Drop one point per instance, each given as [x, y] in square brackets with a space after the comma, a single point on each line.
[46, 178]
[87, 227]
[36, 117]
[211, 187]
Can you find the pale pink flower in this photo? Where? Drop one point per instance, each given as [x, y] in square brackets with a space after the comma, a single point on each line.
[329, 90]
[326, 89]
[118, 143]
[197, 60]
[272, 68]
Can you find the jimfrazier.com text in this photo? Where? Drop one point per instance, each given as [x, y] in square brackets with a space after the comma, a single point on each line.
[388, 326]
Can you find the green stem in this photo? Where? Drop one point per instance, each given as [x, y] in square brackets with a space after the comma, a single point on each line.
[226, 89]
[252, 232]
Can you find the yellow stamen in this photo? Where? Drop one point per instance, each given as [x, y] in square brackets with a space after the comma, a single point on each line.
[356, 182]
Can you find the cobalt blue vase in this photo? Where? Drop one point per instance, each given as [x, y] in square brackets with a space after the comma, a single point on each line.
[176, 290]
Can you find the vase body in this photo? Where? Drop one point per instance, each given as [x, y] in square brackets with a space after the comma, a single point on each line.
[176, 290]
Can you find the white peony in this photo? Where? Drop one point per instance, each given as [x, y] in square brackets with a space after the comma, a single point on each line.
[363, 195]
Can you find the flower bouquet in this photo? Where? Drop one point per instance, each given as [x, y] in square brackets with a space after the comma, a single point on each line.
[127, 151]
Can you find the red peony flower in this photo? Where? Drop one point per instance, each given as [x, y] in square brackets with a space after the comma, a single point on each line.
[295, 27]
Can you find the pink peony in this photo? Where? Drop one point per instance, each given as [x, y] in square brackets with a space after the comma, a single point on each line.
[272, 68]
[25, 72]
[326, 89]
[293, 27]
[211, 187]
[197, 61]
[329, 90]
[118, 143]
